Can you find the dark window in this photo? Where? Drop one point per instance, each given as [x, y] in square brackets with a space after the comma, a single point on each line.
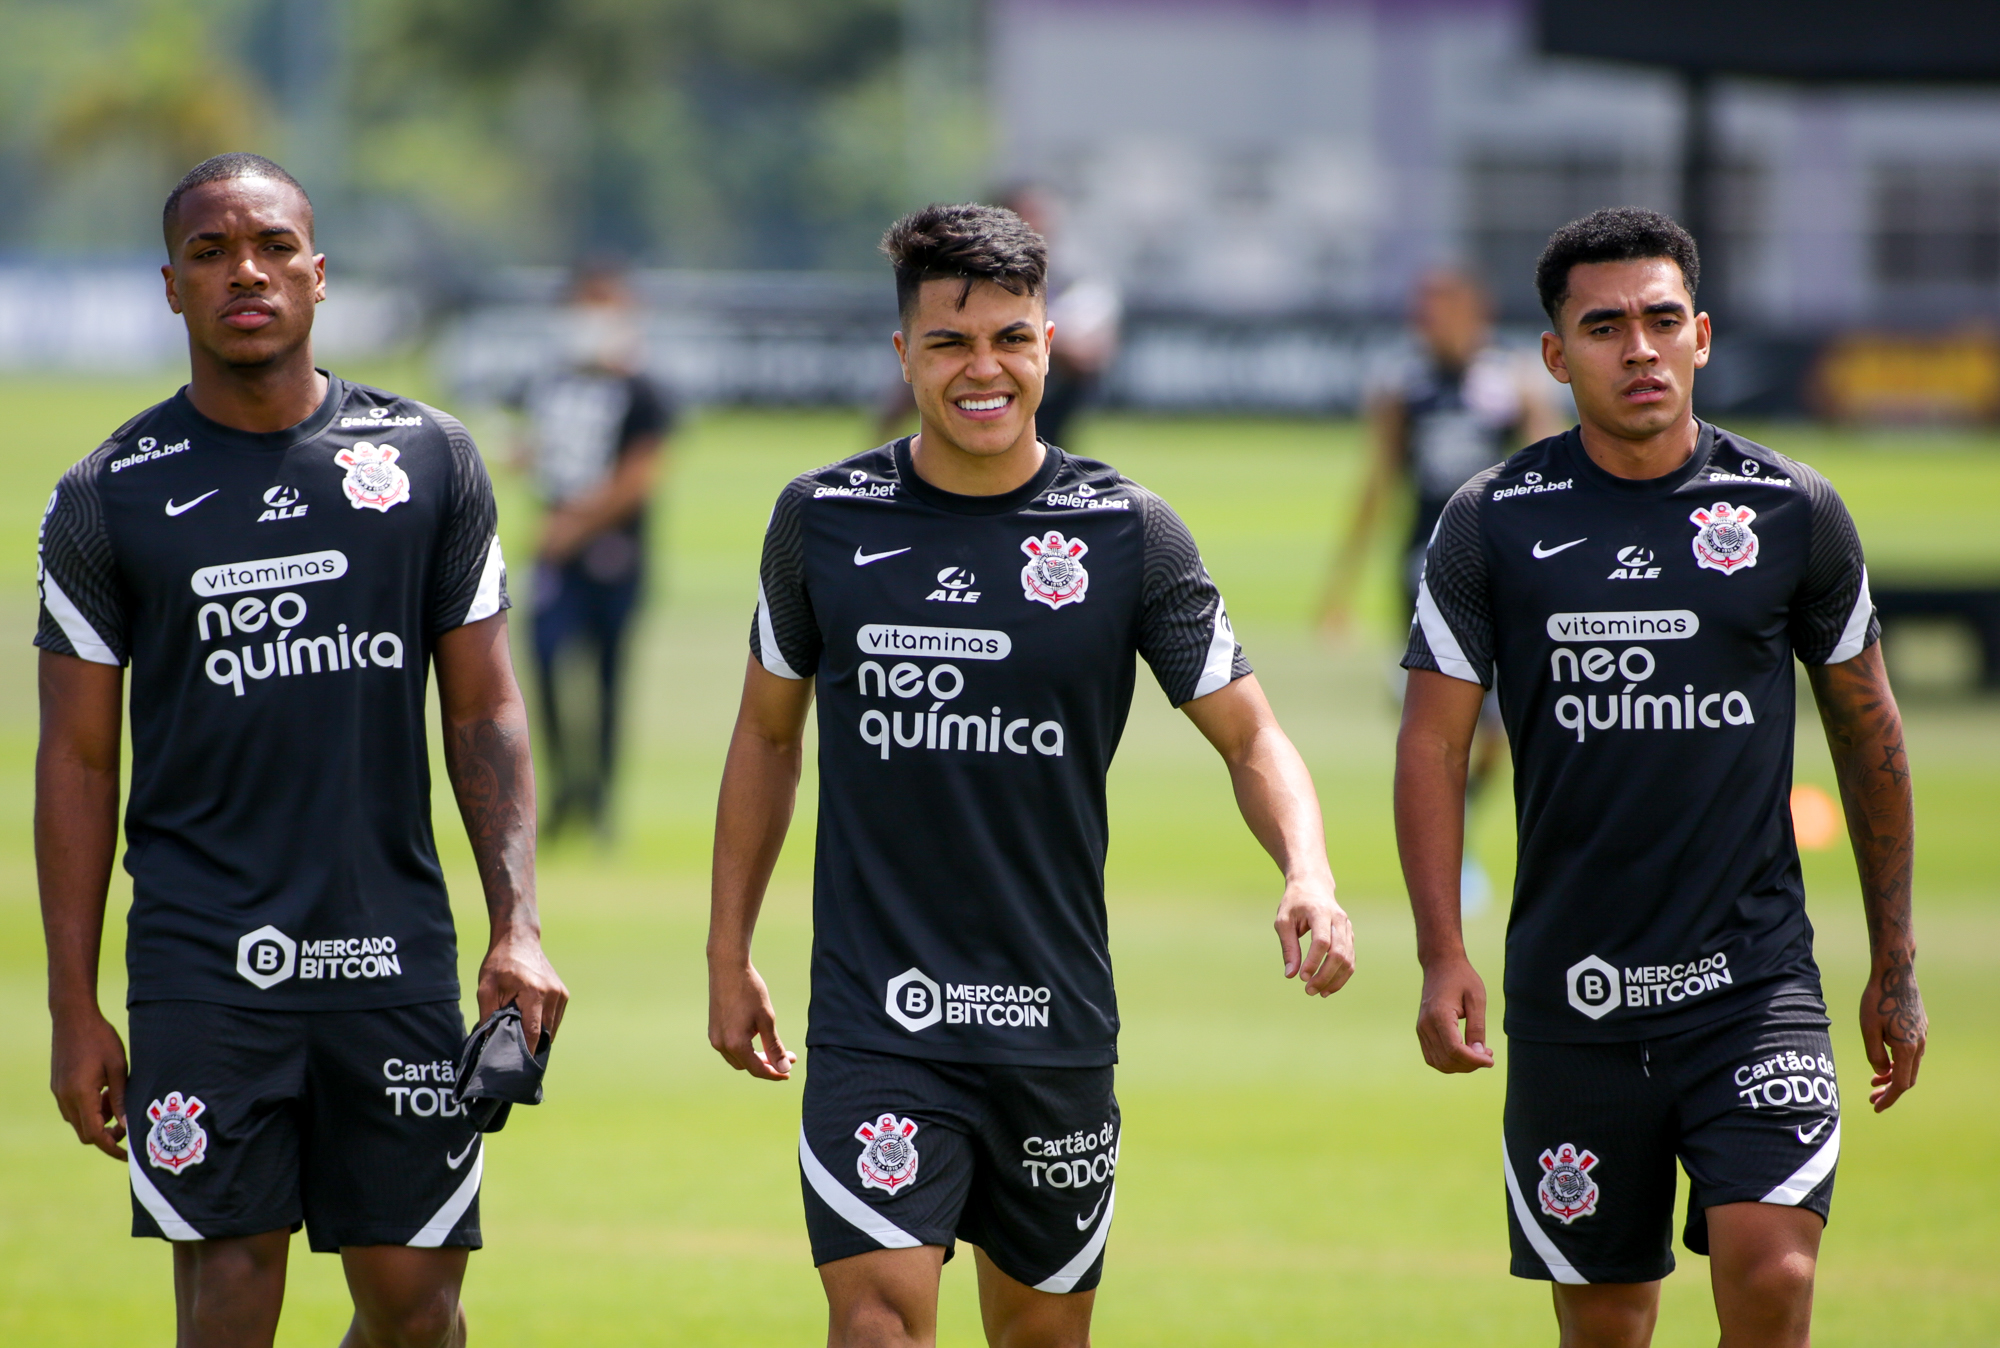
[1937, 225]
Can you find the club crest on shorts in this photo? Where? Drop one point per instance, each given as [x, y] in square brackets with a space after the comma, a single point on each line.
[176, 1141]
[373, 480]
[888, 1159]
[1722, 537]
[1567, 1191]
[1054, 574]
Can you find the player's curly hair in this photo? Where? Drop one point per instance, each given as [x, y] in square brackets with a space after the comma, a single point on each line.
[965, 242]
[220, 168]
[1615, 234]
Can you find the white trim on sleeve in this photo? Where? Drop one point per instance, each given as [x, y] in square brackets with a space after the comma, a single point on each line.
[83, 638]
[172, 1225]
[1559, 1268]
[767, 641]
[1221, 654]
[486, 601]
[1807, 1177]
[1441, 639]
[857, 1213]
[1069, 1274]
[433, 1232]
[1855, 633]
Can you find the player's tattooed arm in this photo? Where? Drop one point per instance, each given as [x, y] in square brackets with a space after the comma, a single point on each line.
[76, 835]
[1864, 731]
[493, 776]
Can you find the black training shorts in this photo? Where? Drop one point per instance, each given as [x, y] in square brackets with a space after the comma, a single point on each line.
[898, 1152]
[250, 1121]
[1749, 1105]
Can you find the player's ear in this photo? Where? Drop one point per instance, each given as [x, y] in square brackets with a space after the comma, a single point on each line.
[319, 278]
[173, 300]
[902, 354]
[1554, 358]
[1702, 336]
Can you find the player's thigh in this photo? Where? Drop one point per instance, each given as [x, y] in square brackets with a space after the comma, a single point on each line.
[885, 1162]
[1588, 1163]
[1761, 1117]
[883, 1295]
[1042, 1203]
[213, 1107]
[405, 1294]
[390, 1158]
[1016, 1315]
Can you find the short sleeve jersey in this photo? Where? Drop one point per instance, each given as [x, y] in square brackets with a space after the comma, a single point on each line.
[277, 597]
[974, 658]
[1456, 422]
[1642, 634]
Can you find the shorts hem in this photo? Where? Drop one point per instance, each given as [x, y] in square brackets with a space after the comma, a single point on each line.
[826, 1252]
[334, 1242]
[145, 1228]
[1087, 1283]
[1534, 1270]
[1819, 1201]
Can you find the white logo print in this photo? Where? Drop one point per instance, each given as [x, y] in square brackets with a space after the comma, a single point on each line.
[266, 956]
[955, 587]
[856, 478]
[863, 558]
[282, 503]
[913, 1001]
[1567, 1191]
[268, 573]
[373, 480]
[888, 1159]
[1541, 552]
[175, 1141]
[1634, 563]
[1593, 987]
[1054, 574]
[1723, 540]
[177, 510]
[1811, 1137]
[454, 1162]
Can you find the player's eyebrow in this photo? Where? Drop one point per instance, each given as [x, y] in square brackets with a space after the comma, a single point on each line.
[269, 231]
[1018, 325]
[1605, 315]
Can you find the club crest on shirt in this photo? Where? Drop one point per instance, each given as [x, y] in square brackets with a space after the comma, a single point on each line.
[888, 1159]
[1054, 574]
[373, 480]
[1567, 1191]
[175, 1140]
[1723, 540]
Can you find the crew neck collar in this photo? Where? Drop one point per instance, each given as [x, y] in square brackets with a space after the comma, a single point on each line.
[266, 441]
[1664, 485]
[1005, 502]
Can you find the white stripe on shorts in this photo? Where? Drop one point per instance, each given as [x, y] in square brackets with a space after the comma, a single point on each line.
[858, 1214]
[1561, 1268]
[1807, 1177]
[172, 1224]
[1069, 1274]
[433, 1232]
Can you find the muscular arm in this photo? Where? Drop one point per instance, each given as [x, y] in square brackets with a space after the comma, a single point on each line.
[760, 786]
[76, 832]
[1276, 795]
[1864, 730]
[612, 502]
[486, 754]
[1433, 748]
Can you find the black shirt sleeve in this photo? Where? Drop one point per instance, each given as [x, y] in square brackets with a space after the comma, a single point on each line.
[1184, 631]
[785, 635]
[471, 575]
[1833, 616]
[1452, 632]
[649, 411]
[84, 609]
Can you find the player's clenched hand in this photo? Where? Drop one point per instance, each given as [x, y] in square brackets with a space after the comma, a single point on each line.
[739, 1014]
[515, 970]
[87, 1075]
[1894, 1028]
[1327, 962]
[1453, 991]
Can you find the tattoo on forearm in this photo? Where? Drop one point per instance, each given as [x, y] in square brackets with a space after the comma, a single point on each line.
[1901, 1006]
[488, 761]
[1864, 731]
[1892, 762]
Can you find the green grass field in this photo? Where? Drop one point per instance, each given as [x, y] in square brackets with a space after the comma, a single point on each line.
[1292, 1172]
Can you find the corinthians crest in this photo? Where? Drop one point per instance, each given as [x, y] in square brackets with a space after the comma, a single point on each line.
[1567, 1191]
[888, 1159]
[1722, 537]
[175, 1140]
[1054, 574]
[373, 479]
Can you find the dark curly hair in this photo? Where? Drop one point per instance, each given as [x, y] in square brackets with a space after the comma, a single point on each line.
[965, 242]
[220, 168]
[1615, 234]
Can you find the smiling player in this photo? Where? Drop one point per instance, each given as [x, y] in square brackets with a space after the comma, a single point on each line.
[967, 604]
[282, 557]
[1638, 588]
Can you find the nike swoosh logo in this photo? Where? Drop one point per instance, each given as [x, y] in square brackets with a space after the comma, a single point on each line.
[863, 558]
[456, 1161]
[1812, 1137]
[1083, 1223]
[173, 509]
[1541, 553]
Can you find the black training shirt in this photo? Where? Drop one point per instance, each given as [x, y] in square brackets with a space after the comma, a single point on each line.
[974, 659]
[1642, 635]
[277, 596]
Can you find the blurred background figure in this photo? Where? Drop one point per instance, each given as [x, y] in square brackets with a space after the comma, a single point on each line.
[1439, 414]
[597, 432]
[1087, 308]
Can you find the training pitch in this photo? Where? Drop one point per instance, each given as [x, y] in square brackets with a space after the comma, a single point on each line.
[1291, 1172]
